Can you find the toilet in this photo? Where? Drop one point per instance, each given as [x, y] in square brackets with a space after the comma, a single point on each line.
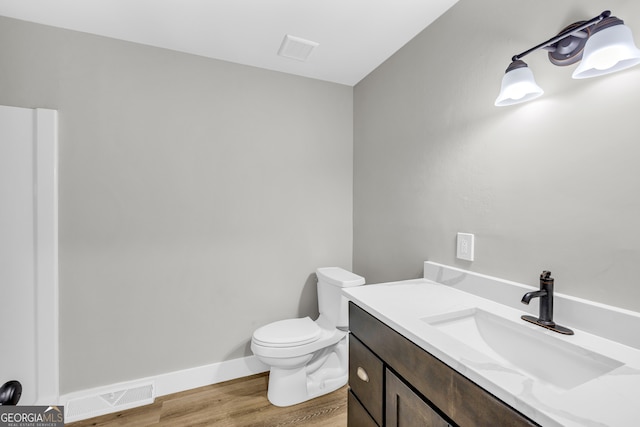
[309, 358]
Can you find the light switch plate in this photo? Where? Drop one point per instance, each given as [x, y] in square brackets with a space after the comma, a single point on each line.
[465, 246]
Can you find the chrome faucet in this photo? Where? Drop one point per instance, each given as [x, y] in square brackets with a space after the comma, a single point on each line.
[545, 319]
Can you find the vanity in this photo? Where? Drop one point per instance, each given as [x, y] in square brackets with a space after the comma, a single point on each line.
[452, 350]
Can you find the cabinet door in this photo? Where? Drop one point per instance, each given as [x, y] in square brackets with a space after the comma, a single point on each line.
[357, 416]
[366, 378]
[404, 408]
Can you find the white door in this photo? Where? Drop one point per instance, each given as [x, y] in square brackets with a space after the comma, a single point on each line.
[28, 252]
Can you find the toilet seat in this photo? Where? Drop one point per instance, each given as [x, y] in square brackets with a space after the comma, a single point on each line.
[287, 333]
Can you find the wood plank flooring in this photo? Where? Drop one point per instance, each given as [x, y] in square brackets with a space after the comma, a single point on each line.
[237, 403]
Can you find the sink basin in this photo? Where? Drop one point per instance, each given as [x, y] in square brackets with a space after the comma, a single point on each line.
[519, 347]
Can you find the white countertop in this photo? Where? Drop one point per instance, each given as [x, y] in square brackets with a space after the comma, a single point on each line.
[609, 400]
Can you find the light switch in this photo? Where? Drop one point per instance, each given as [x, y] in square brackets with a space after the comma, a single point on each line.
[464, 246]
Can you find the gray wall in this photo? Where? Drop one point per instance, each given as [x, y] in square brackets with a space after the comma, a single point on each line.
[197, 197]
[553, 184]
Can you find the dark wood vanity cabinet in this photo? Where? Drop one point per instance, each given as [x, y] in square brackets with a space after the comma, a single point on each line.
[393, 382]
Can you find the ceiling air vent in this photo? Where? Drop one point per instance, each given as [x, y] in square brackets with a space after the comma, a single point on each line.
[296, 48]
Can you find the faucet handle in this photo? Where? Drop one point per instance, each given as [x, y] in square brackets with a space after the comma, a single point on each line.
[546, 281]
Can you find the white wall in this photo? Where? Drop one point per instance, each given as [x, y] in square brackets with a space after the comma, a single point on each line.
[17, 251]
[28, 252]
[553, 184]
[197, 197]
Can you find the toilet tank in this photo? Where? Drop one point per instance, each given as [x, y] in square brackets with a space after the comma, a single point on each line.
[331, 303]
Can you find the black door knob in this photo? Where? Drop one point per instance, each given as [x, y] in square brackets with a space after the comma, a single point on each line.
[10, 393]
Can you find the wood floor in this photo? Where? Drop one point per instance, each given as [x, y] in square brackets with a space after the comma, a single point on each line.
[237, 403]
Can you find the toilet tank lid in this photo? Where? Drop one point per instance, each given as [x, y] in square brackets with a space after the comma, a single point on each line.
[339, 277]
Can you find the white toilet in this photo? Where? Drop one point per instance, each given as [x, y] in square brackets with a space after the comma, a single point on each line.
[309, 358]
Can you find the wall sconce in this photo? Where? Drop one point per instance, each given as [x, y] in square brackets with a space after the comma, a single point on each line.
[604, 44]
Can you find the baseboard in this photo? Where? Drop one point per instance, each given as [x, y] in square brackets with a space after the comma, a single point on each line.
[112, 398]
[174, 382]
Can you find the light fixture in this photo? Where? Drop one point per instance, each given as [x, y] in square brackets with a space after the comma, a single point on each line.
[518, 85]
[603, 44]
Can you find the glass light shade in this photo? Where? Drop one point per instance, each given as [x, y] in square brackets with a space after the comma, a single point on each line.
[518, 85]
[607, 51]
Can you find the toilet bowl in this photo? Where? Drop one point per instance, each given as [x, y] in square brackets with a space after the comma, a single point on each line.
[309, 358]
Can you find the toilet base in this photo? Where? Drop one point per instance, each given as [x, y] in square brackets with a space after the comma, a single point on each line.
[287, 388]
[327, 373]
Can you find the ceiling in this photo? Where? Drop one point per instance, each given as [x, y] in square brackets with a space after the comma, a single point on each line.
[353, 36]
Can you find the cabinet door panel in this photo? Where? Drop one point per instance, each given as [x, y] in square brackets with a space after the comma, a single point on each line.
[366, 377]
[357, 416]
[405, 408]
